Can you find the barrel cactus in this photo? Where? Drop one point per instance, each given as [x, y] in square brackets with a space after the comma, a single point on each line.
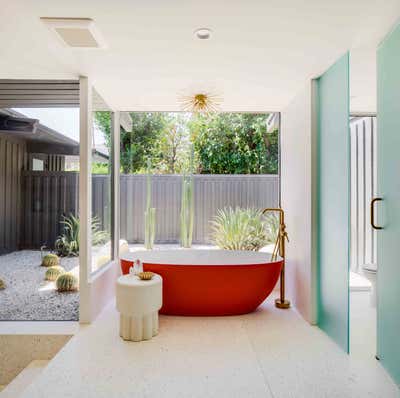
[67, 282]
[54, 272]
[2, 284]
[50, 260]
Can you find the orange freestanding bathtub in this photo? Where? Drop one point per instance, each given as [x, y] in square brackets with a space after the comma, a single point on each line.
[209, 282]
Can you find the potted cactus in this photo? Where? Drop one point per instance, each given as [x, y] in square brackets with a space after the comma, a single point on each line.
[149, 214]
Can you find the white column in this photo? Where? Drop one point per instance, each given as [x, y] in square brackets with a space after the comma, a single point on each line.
[115, 132]
[85, 196]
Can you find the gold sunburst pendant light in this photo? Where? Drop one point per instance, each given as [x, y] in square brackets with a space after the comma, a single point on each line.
[203, 102]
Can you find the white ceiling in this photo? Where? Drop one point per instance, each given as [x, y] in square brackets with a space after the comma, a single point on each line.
[260, 54]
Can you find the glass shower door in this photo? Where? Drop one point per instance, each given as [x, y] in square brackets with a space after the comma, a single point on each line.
[388, 210]
[333, 198]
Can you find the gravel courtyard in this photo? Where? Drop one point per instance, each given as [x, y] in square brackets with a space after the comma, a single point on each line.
[28, 297]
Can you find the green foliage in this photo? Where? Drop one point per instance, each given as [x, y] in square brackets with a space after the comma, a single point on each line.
[240, 229]
[224, 143]
[2, 284]
[99, 237]
[67, 282]
[54, 272]
[172, 152]
[100, 168]
[102, 120]
[50, 260]
[139, 144]
[68, 243]
[234, 143]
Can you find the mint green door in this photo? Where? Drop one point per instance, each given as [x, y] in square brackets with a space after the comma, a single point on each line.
[388, 210]
[333, 191]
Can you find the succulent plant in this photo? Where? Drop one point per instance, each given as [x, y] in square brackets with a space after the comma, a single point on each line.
[67, 282]
[68, 243]
[53, 272]
[50, 260]
[2, 284]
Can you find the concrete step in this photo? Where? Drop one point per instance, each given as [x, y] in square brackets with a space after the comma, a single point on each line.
[24, 379]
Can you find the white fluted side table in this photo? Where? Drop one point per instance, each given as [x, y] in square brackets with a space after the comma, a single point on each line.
[138, 302]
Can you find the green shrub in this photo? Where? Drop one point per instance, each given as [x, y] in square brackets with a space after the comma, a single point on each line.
[50, 260]
[54, 272]
[68, 243]
[2, 284]
[67, 282]
[241, 229]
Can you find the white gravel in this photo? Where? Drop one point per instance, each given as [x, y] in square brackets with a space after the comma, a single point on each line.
[28, 297]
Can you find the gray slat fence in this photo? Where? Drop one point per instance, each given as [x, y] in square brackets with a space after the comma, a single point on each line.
[58, 194]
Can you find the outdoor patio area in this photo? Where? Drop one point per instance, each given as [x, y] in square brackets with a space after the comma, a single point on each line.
[28, 297]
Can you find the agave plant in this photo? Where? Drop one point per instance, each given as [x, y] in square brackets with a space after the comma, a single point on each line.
[68, 243]
[187, 207]
[241, 229]
[149, 214]
[99, 236]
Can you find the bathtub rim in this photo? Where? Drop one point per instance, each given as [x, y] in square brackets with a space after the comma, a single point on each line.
[201, 257]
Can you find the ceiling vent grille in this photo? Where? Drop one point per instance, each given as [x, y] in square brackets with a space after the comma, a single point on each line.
[75, 32]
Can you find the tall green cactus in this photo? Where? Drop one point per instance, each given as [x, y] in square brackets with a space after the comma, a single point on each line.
[187, 207]
[149, 214]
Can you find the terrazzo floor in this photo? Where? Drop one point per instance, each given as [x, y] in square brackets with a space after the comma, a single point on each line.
[270, 353]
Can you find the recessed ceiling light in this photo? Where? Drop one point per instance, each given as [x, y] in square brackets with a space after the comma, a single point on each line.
[75, 32]
[203, 33]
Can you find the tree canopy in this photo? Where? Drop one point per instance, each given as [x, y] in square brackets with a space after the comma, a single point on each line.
[223, 143]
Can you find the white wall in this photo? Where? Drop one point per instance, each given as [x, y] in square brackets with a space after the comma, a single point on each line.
[297, 195]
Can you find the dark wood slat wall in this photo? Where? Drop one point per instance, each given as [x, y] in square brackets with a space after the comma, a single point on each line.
[47, 197]
[13, 160]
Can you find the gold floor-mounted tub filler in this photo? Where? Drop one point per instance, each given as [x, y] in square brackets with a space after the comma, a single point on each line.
[279, 248]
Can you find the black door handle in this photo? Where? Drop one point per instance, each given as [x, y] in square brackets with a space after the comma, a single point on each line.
[373, 225]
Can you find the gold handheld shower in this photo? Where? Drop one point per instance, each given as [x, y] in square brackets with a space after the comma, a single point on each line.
[279, 247]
